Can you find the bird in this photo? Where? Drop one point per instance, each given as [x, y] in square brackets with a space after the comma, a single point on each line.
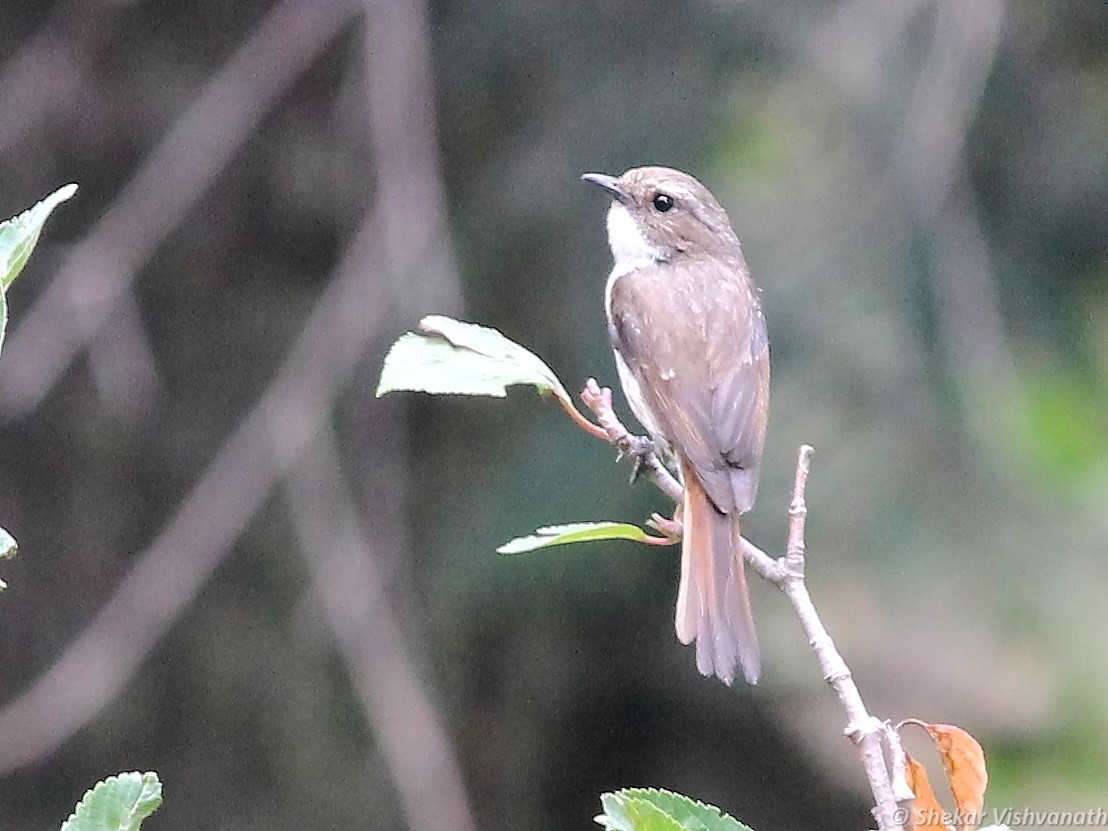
[691, 348]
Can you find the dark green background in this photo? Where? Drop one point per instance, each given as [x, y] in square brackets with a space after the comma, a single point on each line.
[922, 193]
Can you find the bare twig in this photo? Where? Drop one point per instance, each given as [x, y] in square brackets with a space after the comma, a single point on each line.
[599, 400]
[865, 730]
[898, 761]
[787, 573]
[581, 421]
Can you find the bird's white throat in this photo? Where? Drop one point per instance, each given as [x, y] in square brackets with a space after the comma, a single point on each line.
[630, 248]
[631, 251]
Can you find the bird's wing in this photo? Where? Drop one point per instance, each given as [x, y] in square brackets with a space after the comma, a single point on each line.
[695, 339]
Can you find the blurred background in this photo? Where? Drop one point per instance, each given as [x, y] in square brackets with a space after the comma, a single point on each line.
[240, 569]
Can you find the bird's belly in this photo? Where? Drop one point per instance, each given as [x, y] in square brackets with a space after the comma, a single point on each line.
[637, 401]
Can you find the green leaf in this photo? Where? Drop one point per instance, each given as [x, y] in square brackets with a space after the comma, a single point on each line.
[449, 357]
[577, 532]
[652, 809]
[19, 234]
[119, 803]
[8, 549]
[637, 815]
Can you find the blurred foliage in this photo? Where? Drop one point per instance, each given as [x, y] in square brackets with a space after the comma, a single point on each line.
[939, 321]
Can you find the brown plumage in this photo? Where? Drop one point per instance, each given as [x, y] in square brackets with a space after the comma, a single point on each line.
[686, 324]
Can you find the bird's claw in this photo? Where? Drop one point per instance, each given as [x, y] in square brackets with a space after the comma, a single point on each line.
[638, 447]
[672, 528]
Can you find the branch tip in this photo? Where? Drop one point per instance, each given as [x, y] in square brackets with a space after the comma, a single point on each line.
[611, 429]
[869, 726]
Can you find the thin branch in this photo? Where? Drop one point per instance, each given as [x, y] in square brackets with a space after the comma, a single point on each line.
[580, 420]
[865, 730]
[599, 400]
[898, 761]
[787, 573]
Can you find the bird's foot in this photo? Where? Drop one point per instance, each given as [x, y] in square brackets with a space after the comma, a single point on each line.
[672, 528]
[638, 447]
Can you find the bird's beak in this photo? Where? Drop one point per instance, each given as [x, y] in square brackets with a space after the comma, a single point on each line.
[610, 184]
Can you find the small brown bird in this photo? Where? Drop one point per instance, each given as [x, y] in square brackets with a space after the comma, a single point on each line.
[686, 323]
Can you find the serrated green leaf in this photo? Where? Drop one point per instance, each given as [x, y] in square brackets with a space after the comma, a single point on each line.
[118, 803]
[636, 815]
[652, 809]
[449, 357]
[576, 532]
[19, 234]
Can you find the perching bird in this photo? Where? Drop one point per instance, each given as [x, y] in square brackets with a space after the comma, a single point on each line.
[691, 347]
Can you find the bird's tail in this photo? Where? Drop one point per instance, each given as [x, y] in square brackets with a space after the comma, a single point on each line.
[713, 602]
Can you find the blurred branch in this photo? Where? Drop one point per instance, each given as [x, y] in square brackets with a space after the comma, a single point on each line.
[347, 578]
[946, 97]
[167, 575]
[123, 365]
[410, 202]
[863, 32]
[297, 406]
[47, 73]
[932, 166]
[98, 272]
[410, 194]
[52, 73]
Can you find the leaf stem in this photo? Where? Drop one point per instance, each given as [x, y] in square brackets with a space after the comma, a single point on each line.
[599, 400]
[579, 419]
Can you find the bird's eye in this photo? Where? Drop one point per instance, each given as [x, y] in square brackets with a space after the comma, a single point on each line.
[662, 203]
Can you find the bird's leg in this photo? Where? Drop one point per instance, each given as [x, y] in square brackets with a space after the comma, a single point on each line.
[647, 462]
[639, 448]
[672, 528]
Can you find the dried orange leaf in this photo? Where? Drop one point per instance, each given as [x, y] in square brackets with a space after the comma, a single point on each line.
[964, 761]
[926, 810]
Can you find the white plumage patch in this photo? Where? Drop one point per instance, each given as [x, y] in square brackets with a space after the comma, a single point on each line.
[630, 251]
[630, 248]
